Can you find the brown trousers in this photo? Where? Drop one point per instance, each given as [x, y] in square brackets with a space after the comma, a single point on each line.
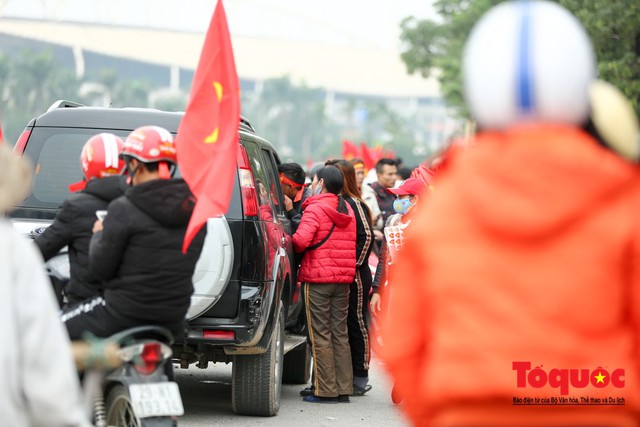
[327, 307]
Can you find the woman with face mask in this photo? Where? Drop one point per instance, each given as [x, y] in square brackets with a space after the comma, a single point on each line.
[408, 195]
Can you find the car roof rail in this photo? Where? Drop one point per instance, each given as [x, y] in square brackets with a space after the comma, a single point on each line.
[61, 103]
[246, 124]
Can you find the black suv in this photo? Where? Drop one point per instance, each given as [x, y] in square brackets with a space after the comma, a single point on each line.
[246, 308]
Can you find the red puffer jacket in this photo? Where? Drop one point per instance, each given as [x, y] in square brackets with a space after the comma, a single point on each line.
[335, 260]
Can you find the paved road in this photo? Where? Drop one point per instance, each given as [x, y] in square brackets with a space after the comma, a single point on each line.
[207, 399]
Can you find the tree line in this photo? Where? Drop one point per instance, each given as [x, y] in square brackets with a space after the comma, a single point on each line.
[294, 118]
[434, 47]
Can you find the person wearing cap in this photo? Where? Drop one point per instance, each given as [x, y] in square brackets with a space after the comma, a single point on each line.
[516, 296]
[39, 385]
[407, 196]
[136, 252]
[72, 227]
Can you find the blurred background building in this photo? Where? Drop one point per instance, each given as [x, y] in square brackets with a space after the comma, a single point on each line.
[309, 78]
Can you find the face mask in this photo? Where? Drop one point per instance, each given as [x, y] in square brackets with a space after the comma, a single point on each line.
[402, 206]
[317, 190]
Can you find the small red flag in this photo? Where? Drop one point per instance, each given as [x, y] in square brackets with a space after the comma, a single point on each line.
[349, 150]
[368, 156]
[1, 135]
[388, 154]
[207, 141]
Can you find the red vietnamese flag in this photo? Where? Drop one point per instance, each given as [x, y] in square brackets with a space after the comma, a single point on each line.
[349, 150]
[368, 156]
[1, 135]
[207, 141]
[388, 154]
[377, 153]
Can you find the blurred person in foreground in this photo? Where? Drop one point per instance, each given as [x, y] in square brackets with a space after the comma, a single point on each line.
[521, 279]
[327, 236]
[38, 383]
[73, 225]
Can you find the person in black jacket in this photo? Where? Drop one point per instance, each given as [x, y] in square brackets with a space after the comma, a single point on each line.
[387, 172]
[73, 224]
[292, 181]
[137, 253]
[358, 319]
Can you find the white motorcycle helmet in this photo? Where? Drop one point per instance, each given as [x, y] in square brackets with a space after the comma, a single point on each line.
[528, 61]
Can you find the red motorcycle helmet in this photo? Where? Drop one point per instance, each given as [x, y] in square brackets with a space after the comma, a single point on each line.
[151, 144]
[100, 158]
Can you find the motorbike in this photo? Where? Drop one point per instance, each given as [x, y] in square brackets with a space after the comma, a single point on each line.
[139, 392]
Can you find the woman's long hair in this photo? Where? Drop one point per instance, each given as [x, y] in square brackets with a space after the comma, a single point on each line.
[333, 182]
[350, 187]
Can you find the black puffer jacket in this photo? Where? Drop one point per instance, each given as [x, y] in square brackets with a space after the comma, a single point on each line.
[138, 255]
[72, 227]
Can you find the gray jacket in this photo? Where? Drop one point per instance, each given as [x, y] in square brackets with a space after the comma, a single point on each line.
[38, 381]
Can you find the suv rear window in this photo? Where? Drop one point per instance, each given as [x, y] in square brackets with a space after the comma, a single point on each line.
[55, 153]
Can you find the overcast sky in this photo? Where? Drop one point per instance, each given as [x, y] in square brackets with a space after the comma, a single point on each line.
[370, 23]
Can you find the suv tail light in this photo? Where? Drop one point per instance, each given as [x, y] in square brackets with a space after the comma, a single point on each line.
[216, 334]
[22, 142]
[247, 186]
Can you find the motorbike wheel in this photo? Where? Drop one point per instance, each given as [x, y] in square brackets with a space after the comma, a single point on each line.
[119, 409]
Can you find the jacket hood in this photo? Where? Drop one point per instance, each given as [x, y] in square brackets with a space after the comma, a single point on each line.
[328, 202]
[531, 181]
[108, 188]
[168, 201]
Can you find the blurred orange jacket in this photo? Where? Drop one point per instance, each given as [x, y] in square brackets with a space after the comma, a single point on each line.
[529, 252]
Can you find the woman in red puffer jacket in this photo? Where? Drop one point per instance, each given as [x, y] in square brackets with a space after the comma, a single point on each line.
[327, 236]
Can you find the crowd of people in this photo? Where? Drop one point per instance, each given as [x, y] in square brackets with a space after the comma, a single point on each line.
[520, 249]
[335, 235]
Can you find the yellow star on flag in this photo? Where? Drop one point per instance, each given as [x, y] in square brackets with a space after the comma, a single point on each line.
[218, 87]
[599, 378]
[213, 138]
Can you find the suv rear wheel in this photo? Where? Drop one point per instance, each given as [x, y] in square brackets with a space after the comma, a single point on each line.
[256, 380]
